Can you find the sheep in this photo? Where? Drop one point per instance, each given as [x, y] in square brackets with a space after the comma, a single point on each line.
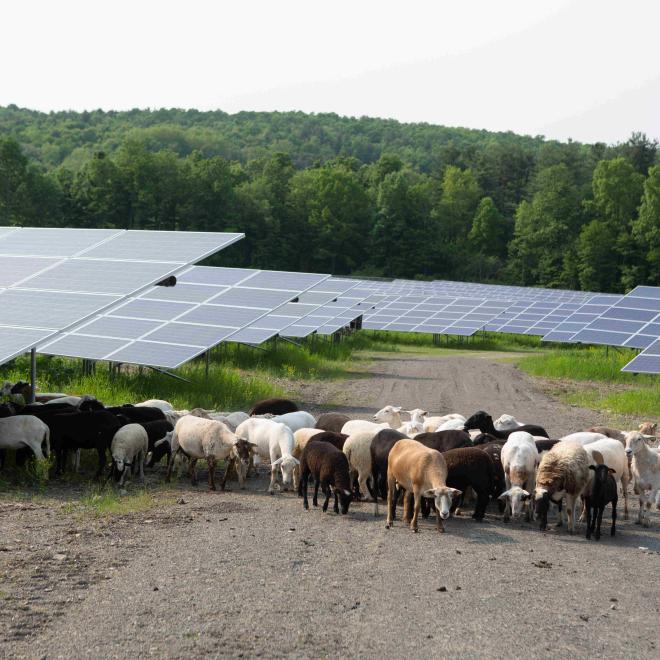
[544, 444]
[71, 400]
[444, 440]
[357, 425]
[520, 458]
[484, 422]
[165, 406]
[329, 467]
[199, 438]
[25, 431]
[336, 439]
[432, 423]
[612, 453]
[156, 434]
[300, 439]
[390, 415]
[422, 472]
[645, 472]
[296, 420]
[564, 471]
[331, 421]
[485, 438]
[137, 415]
[583, 437]
[494, 451]
[471, 467]
[602, 491]
[275, 406]
[507, 423]
[273, 441]
[416, 423]
[358, 452]
[381, 446]
[451, 425]
[648, 429]
[609, 433]
[128, 448]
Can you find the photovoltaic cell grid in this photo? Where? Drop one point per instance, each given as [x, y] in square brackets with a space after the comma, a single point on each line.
[581, 317]
[168, 326]
[54, 279]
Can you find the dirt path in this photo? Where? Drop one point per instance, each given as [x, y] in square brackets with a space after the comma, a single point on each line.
[243, 574]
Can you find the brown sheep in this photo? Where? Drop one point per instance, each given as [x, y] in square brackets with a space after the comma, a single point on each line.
[274, 406]
[329, 467]
[332, 421]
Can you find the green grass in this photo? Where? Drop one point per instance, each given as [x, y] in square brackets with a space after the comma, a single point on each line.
[99, 502]
[487, 341]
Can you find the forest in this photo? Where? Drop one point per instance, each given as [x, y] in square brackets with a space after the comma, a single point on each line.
[362, 196]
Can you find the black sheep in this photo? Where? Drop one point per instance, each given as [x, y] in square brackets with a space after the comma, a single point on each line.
[381, 445]
[494, 450]
[332, 421]
[485, 438]
[484, 422]
[545, 445]
[444, 440]
[603, 491]
[335, 439]
[156, 431]
[275, 406]
[329, 467]
[138, 414]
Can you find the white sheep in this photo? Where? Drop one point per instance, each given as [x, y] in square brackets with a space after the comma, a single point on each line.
[296, 420]
[452, 425]
[358, 451]
[165, 406]
[432, 423]
[520, 458]
[613, 454]
[129, 449]
[583, 437]
[272, 441]
[390, 415]
[199, 438]
[646, 473]
[506, 423]
[21, 431]
[300, 439]
[358, 425]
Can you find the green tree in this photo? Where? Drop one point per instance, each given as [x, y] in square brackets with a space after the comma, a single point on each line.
[597, 269]
[646, 229]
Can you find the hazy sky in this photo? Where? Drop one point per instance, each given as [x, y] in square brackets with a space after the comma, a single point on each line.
[585, 69]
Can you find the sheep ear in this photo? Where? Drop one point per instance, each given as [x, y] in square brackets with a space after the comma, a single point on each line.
[277, 462]
[598, 457]
[504, 495]
[525, 495]
[592, 467]
[396, 409]
[611, 470]
[429, 493]
[297, 462]
[455, 492]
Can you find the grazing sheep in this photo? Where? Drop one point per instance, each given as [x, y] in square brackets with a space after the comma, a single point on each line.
[612, 453]
[507, 423]
[603, 490]
[358, 452]
[296, 420]
[520, 458]
[128, 449]
[165, 406]
[329, 467]
[274, 406]
[645, 472]
[158, 445]
[445, 440]
[610, 433]
[432, 423]
[381, 446]
[332, 421]
[563, 472]
[336, 439]
[272, 441]
[484, 422]
[357, 425]
[494, 451]
[471, 467]
[137, 415]
[422, 472]
[583, 437]
[198, 438]
[25, 431]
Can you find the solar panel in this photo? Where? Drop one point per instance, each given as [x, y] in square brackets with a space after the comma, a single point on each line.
[60, 278]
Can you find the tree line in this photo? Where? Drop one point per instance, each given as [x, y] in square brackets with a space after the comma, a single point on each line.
[347, 196]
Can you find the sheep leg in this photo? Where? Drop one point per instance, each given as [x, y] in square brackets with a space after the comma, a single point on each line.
[315, 499]
[570, 513]
[406, 508]
[192, 470]
[482, 503]
[210, 462]
[590, 518]
[625, 480]
[273, 479]
[391, 502]
[230, 463]
[296, 477]
[170, 465]
[101, 453]
[418, 500]
[613, 528]
[141, 459]
[303, 488]
[336, 507]
[601, 510]
[326, 491]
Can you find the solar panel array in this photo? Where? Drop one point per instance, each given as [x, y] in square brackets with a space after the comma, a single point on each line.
[53, 279]
[168, 326]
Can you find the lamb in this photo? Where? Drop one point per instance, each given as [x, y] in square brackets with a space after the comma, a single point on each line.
[165, 406]
[274, 406]
[602, 491]
[296, 420]
[484, 422]
[612, 453]
[520, 458]
[332, 421]
[432, 423]
[199, 438]
[422, 472]
[583, 437]
[329, 467]
[128, 449]
[564, 471]
[25, 431]
[507, 423]
[272, 441]
[358, 425]
[645, 472]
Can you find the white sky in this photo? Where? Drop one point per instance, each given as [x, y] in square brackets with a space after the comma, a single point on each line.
[586, 69]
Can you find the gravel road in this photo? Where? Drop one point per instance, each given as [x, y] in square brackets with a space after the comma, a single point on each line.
[244, 574]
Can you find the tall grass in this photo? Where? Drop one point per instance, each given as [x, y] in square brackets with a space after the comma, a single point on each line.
[482, 341]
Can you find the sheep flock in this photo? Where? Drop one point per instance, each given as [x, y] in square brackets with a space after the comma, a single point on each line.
[443, 463]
